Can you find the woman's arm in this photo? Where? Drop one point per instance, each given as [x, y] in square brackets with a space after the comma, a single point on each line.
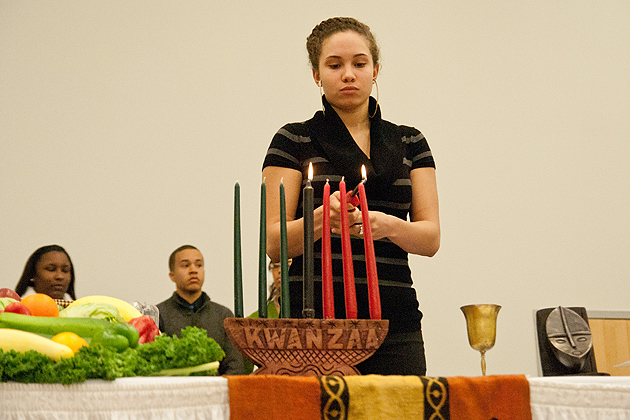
[292, 180]
[422, 234]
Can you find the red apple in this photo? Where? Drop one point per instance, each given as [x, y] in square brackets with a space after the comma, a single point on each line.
[5, 292]
[17, 308]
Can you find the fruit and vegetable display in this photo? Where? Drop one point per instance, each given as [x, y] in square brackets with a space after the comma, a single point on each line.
[96, 337]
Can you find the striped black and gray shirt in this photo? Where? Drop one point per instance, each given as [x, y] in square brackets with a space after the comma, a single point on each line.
[395, 150]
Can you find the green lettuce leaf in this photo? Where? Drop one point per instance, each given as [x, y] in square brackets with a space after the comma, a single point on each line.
[192, 349]
[192, 354]
[93, 310]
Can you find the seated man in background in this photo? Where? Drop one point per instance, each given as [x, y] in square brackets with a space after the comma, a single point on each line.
[190, 306]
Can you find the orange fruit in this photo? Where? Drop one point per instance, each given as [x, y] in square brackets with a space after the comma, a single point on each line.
[70, 339]
[41, 305]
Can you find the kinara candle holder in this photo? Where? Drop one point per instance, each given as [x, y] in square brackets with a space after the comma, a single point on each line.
[306, 347]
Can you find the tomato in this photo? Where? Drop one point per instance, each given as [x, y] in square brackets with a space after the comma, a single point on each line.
[146, 327]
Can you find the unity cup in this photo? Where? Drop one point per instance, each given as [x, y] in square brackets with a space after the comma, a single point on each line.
[481, 322]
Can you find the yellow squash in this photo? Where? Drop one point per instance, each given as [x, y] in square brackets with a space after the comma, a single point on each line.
[22, 341]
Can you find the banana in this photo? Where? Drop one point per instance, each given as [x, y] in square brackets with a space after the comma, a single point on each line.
[22, 341]
[125, 309]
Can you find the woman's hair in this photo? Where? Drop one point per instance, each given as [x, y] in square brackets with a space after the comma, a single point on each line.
[30, 269]
[273, 265]
[330, 27]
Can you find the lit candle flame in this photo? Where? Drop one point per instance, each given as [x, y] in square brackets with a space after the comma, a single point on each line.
[363, 173]
[310, 171]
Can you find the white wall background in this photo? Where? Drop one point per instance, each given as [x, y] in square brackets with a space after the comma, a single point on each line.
[125, 124]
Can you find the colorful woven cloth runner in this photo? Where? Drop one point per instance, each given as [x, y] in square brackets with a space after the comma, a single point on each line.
[378, 397]
[273, 397]
[383, 397]
[498, 397]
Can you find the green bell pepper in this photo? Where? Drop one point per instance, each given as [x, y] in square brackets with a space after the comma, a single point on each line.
[118, 336]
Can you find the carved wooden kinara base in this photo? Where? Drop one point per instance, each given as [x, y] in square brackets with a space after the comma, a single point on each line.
[306, 347]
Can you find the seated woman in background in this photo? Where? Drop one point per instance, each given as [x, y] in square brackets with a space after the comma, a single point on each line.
[50, 271]
[275, 291]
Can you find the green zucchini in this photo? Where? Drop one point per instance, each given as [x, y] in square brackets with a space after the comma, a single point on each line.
[85, 327]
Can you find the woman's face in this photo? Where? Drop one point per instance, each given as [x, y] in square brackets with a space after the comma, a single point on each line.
[52, 274]
[346, 70]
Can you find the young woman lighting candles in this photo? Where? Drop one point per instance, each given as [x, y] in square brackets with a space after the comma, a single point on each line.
[400, 188]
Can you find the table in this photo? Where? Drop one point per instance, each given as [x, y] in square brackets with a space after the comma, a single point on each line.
[143, 398]
[196, 398]
[580, 397]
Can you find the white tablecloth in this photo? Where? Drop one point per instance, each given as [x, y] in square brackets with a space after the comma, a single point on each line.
[163, 398]
[580, 398]
[207, 398]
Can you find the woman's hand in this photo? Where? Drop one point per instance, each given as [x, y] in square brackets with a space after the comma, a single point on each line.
[354, 215]
[379, 225]
[378, 220]
[420, 236]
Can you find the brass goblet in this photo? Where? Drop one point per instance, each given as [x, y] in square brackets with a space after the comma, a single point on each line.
[481, 322]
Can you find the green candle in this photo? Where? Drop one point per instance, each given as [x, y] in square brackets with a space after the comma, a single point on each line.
[262, 255]
[238, 268]
[285, 309]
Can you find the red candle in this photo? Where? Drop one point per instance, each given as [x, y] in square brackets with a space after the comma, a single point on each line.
[327, 281]
[370, 259]
[346, 252]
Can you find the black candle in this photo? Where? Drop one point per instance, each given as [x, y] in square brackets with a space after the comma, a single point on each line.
[308, 308]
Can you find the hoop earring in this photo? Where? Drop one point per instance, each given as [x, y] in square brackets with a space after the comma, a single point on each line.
[321, 96]
[376, 107]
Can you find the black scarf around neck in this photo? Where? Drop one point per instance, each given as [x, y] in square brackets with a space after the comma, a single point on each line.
[386, 149]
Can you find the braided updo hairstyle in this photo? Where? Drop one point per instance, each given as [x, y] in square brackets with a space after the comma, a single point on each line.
[330, 27]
